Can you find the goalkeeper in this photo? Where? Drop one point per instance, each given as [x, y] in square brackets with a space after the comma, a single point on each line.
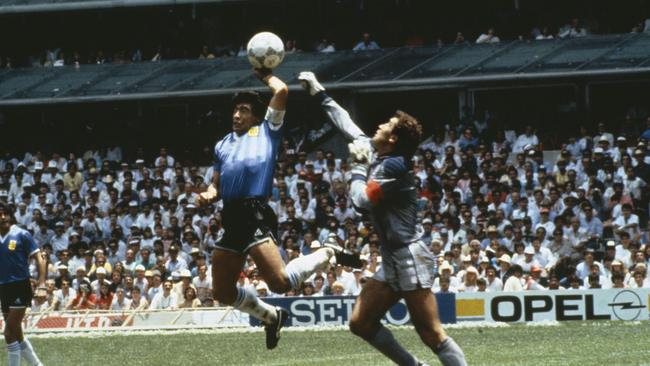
[383, 186]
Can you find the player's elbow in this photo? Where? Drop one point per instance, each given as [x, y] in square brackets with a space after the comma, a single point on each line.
[281, 90]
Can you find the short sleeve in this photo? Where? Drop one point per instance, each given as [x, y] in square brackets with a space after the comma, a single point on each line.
[274, 118]
[30, 244]
[217, 159]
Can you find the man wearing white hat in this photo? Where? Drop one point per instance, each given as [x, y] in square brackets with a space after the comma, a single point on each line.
[529, 259]
[504, 266]
[101, 274]
[51, 175]
[446, 271]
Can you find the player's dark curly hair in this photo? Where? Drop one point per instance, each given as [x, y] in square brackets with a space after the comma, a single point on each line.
[5, 207]
[409, 133]
[253, 98]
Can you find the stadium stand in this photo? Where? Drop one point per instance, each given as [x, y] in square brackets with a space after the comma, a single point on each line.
[619, 55]
[493, 191]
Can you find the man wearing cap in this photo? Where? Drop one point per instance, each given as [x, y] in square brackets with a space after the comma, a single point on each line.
[131, 219]
[139, 280]
[603, 135]
[101, 276]
[383, 185]
[52, 174]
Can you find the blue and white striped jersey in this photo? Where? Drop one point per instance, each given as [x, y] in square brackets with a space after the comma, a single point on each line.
[15, 250]
[246, 163]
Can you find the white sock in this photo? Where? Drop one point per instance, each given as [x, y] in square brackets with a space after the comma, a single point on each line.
[299, 269]
[13, 354]
[249, 303]
[28, 353]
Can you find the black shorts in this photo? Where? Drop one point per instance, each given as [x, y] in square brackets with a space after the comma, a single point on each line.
[15, 295]
[247, 222]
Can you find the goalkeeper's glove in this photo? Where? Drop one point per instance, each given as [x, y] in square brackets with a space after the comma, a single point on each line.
[310, 83]
[360, 151]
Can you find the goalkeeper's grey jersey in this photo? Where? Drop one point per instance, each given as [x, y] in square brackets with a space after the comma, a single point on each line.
[387, 193]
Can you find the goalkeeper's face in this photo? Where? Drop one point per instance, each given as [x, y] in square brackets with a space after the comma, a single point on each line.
[243, 118]
[384, 139]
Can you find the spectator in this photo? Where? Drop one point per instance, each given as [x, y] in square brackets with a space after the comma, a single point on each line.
[165, 300]
[366, 44]
[325, 46]
[205, 53]
[85, 299]
[189, 299]
[572, 30]
[460, 39]
[489, 37]
[138, 302]
[64, 296]
[544, 34]
[514, 281]
[120, 302]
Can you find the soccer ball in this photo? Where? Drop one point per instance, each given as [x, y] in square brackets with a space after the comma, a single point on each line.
[265, 49]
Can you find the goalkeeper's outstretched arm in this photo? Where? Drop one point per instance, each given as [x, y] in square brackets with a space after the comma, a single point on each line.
[339, 116]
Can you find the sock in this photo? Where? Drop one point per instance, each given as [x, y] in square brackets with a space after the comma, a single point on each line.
[385, 343]
[450, 353]
[249, 303]
[13, 354]
[28, 353]
[299, 269]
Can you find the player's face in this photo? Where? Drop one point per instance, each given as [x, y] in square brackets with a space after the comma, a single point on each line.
[384, 138]
[5, 220]
[243, 118]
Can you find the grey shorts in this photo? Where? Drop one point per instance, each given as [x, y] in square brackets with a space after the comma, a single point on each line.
[408, 268]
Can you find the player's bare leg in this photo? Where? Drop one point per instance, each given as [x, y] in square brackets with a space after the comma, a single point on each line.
[423, 309]
[226, 267]
[374, 301]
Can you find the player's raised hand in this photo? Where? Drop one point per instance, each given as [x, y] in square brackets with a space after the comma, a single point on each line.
[310, 83]
[263, 74]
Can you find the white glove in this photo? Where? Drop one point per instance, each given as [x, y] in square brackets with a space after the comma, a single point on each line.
[359, 151]
[359, 169]
[310, 83]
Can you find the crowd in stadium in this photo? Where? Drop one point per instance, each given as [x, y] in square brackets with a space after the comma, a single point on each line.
[56, 56]
[126, 235]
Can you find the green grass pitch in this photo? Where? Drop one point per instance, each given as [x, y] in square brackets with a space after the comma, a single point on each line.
[571, 343]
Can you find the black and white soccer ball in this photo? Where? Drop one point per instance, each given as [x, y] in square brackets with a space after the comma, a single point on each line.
[265, 49]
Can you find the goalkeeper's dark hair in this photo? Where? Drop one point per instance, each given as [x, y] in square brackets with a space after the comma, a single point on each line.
[253, 98]
[409, 133]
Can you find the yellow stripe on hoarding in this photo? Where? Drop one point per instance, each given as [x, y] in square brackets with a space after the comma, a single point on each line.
[470, 307]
